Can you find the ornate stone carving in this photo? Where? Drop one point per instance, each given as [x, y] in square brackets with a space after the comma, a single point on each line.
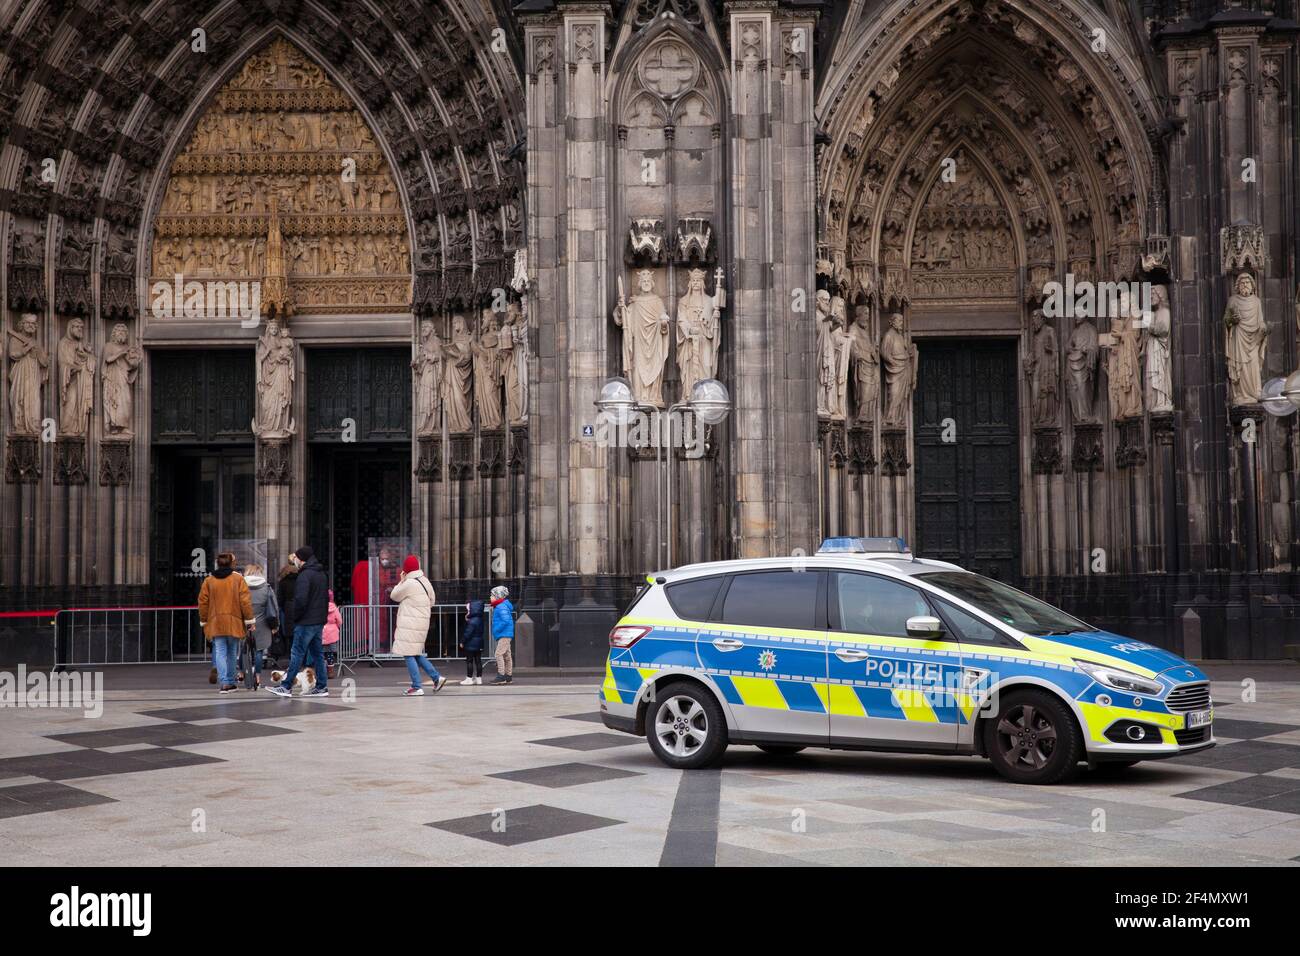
[76, 383]
[1081, 355]
[694, 240]
[1162, 427]
[1043, 369]
[457, 378]
[864, 358]
[644, 321]
[23, 459]
[1047, 459]
[460, 463]
[833, 347]
[1088, 454]
[70, 461]
[276, 362]
[1245, 342]
[296, 148]
[862, 453]
[1155, 345]
[514, 363]
[1243, 246]
[1123, 365]
[492, 454]
[273, 455]
[893, 452]
[487, 371]
[518, 463]
[898, 358]
[830, 435]
[29, 369]
[1131, 450]
[646, 242]
[699, 334]
[114, 462]
[428, 467]
[427, 367]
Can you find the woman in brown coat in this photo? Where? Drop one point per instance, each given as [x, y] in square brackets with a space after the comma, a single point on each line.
[226, 615]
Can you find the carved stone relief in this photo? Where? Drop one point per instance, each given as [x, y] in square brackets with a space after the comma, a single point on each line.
[280, 134]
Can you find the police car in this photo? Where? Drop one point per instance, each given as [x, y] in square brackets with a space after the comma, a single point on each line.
[865, 647]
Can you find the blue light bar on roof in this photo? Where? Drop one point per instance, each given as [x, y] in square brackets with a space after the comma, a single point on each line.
[863, 546]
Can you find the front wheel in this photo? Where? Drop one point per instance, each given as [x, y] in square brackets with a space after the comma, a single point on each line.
[1033, 739]
[685, 727]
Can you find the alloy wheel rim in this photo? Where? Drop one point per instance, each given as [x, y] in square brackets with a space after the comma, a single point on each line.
[1026, 736]
[681, 726]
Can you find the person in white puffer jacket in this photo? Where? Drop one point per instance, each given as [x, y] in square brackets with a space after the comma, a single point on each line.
[414, 596]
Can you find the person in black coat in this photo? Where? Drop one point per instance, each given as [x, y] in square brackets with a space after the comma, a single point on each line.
[310, 608]
[471, 639]
[284, 585]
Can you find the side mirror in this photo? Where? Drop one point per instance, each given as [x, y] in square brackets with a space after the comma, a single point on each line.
[924, 626]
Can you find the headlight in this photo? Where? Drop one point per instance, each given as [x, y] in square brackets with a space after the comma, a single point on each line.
[1119, 679]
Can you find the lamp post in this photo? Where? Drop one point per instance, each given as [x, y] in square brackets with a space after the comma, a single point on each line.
[709, 402]
[1281, 396]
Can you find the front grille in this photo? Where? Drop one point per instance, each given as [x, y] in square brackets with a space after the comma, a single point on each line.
[1197, 735]
[1187, 697]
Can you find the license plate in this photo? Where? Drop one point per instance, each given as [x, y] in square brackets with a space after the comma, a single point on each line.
[1199, 718]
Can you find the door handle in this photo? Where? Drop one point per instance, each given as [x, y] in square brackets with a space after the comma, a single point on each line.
[849, 654]
[727, 644]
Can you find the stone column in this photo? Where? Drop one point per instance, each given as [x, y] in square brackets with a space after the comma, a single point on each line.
[774, 420]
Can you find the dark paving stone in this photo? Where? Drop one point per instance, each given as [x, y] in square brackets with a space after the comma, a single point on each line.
[45, 797]
[1250, 729]
[260, 708]
[1248, 792]
[524, 824]
[1248, 756]
[171, 735]
[566, 775]
[97, 763]
[588, 741]
[588, 716]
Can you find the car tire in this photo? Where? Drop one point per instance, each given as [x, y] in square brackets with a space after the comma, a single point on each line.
[780, 750]
[1033, 739]
[685, 727]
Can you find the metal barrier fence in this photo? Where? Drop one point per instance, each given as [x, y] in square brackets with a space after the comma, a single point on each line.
[101, 637]
[171, 635]
[367, 633]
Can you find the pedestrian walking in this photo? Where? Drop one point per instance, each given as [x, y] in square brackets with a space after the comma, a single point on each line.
[503, 632]
[266, 615]
[414, 596]
[226, 616]
[285, 583]
[310, 611]
[471, 641]
[329, 637]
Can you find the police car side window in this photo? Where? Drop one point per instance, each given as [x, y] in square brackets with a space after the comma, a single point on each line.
[692, 600]
[874, 605]
[971, 629]
[772, 599]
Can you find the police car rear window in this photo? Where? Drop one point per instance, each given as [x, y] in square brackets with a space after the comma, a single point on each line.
[692, 600]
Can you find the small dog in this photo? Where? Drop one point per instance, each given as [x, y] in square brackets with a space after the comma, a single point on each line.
[305, 680]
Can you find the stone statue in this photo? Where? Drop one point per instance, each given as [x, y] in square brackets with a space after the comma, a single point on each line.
[1155, 344]
[1246, 341]
[644, 322]
[457, 378]
[121, 361]
[427, 366]
[487, 372]
[513, 341]
[29, 369]
[76, 381]
[698, 335]
[865, 359]
[1123, 368]
[275, 377]
[1043, 369]
[898, 355]
[832, 358]
[1081, 368]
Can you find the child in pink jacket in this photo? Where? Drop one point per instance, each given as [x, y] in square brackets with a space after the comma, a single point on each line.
[331, 633]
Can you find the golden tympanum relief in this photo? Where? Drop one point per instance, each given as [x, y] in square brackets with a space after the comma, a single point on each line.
[280, 133]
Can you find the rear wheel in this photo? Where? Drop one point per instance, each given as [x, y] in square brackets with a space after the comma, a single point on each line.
[1033, 739]
[780, 750]
[685, 727]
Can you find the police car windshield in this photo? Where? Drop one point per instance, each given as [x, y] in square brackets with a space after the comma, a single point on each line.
[1008, 605]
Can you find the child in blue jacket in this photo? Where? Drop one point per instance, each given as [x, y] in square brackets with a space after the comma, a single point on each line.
[503, 632]
[471, 639]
